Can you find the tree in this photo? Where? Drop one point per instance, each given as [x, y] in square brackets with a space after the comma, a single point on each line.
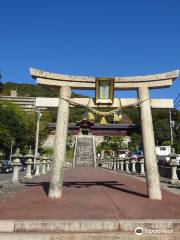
[44, 129]
[114, 143]
[136, 142]
[17, 125]
[20, 126]
[161, 130]
[134, 115]
[5, 139]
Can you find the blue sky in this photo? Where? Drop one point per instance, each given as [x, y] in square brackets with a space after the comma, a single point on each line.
[90, 37]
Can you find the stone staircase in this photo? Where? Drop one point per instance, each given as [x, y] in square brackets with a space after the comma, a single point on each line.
[84, 151]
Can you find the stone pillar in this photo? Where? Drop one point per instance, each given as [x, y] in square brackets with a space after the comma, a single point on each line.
[37, 171]
[127, 165]
[122, 164]
[102, 154]
[118, 165]
[51, 163]
[142, 172]
[133, 162]
[152, 174]
[43, 164]
[48, 165]
[111, 165]
[107, 164]
[56, 182]
[114, 165]
[29, 163]
[16, 164]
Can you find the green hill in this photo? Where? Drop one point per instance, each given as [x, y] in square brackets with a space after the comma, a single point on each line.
[31, 90]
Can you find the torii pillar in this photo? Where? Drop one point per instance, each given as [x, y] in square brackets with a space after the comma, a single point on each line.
[140, 83]
[55, 190]
[152, 174]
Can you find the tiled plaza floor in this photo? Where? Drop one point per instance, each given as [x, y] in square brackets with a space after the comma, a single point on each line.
[91, 193]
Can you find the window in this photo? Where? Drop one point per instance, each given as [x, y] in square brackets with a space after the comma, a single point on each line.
[162, 148]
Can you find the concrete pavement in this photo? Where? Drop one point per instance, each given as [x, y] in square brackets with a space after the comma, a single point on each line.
[90, 193]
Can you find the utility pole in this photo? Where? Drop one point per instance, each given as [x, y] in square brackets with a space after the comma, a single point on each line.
[39, 115]
[171, 126]
[12, 142]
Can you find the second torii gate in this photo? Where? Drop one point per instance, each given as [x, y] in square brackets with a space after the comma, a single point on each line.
[139, 83]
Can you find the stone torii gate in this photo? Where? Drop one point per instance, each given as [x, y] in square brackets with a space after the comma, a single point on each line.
[140, 83]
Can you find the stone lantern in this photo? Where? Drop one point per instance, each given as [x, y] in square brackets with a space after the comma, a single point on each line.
[29, 162]
[16, 165]
[174, 163]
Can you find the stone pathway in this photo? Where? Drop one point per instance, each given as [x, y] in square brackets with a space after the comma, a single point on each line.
[165, 182]
[90, 193]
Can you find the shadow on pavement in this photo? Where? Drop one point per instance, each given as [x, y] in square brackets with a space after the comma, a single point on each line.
[90, 184]
[109, 184]
[177, 187]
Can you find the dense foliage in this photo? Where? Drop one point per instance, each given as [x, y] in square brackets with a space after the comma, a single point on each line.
[111, 143]
[16, 126]
[161, 129]
[161, 125]
[176, 118]
[19, 127]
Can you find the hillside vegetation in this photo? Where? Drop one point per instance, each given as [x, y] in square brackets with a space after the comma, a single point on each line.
[31, 90]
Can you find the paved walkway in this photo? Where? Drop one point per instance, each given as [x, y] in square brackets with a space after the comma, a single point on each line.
[91, 193]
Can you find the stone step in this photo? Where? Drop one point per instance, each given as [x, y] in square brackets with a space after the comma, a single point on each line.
[84, 152]
[89, 229]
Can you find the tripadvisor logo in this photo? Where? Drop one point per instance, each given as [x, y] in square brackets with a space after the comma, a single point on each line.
[139, 231]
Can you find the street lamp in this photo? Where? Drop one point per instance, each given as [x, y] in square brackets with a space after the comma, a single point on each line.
[39, 115]
[12, 143]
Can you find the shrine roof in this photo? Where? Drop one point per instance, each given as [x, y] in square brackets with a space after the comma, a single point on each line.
[100, 126]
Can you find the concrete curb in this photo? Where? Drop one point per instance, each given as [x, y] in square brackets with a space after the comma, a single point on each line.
[88, 226]
[85, 236]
